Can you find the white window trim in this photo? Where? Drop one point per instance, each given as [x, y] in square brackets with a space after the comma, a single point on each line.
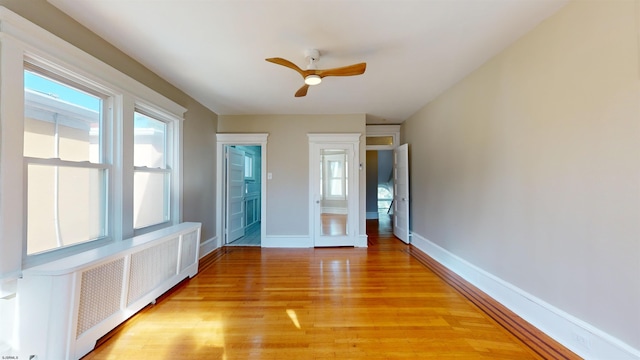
[173, 161]
[20, 40]
[72, 79]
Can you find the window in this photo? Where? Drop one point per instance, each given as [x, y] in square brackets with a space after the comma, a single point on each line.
[333, 169]
[380, 140]
[152, 171]
[334, 177]
[385, 198]
[66, 168]
[248, 167]
[74, 164]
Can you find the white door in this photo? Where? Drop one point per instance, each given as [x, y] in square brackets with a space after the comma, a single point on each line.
[334, 193]
[235, 194]
[401, 192]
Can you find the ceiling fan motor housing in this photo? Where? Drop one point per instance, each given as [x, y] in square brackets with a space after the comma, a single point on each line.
[312, 55]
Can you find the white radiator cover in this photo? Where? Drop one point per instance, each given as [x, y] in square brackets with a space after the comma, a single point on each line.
[65, 306]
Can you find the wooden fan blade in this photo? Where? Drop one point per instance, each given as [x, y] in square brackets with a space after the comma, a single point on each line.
[287, 63]
[302, 91]
[355, 69]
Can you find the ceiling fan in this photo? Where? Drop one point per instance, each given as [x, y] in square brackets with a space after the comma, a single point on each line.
[312, 75]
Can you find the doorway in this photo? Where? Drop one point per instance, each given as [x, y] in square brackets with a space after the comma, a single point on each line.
[241, 189]
[382, 142]
[379, 183]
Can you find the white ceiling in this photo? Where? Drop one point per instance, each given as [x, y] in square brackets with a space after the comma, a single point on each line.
[214, 50]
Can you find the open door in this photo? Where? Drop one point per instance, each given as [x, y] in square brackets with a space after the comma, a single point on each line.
[401, 193]
[235, 194]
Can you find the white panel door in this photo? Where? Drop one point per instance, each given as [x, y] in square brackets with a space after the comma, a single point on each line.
[401, 192]
[334, 193]
[235, 194]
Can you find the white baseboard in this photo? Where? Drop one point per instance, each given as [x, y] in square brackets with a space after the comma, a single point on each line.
[372, 215]
[334, 210]
[362, 241]
[287, 241]
[578, 336]
[208, 246]
[301, 241]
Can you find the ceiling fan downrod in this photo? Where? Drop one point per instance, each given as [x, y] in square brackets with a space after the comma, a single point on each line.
[312, 55]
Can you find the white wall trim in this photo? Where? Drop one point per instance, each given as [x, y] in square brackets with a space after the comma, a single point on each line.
[338, 138]
[287, 241]
[242, 139]
[362, 241]
[578, 336]
[208, 246]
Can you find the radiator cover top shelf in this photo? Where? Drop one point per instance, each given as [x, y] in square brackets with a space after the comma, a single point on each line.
[105, 253]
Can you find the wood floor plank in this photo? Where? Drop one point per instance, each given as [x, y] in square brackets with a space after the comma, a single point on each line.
[381, 302]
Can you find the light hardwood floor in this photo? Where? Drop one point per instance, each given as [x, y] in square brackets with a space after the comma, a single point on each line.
[380, 302]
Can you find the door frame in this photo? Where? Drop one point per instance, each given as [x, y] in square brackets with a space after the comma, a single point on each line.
[253, 139]
[350, 141]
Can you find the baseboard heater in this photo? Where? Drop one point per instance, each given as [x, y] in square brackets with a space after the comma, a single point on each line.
[65, 306]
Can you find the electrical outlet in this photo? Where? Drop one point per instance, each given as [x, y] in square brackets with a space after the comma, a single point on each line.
[582, 340]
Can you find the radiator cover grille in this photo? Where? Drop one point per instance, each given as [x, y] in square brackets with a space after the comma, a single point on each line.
[189, 247]
[151, 267]
[100, 294]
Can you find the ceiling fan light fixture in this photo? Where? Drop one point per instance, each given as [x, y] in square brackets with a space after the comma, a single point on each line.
[312, 80]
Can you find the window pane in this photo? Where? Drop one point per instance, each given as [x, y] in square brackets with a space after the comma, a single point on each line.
[149, 142]
[150, 200]
[380, 140]
[248, 166]
[65, 206]
[335, 188]
[384, 198]
[61, 121]
[335, 169]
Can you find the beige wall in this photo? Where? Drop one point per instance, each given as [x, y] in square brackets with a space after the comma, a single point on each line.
[530, 167]
[200, 124]
[199, 168]
[288, 161]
